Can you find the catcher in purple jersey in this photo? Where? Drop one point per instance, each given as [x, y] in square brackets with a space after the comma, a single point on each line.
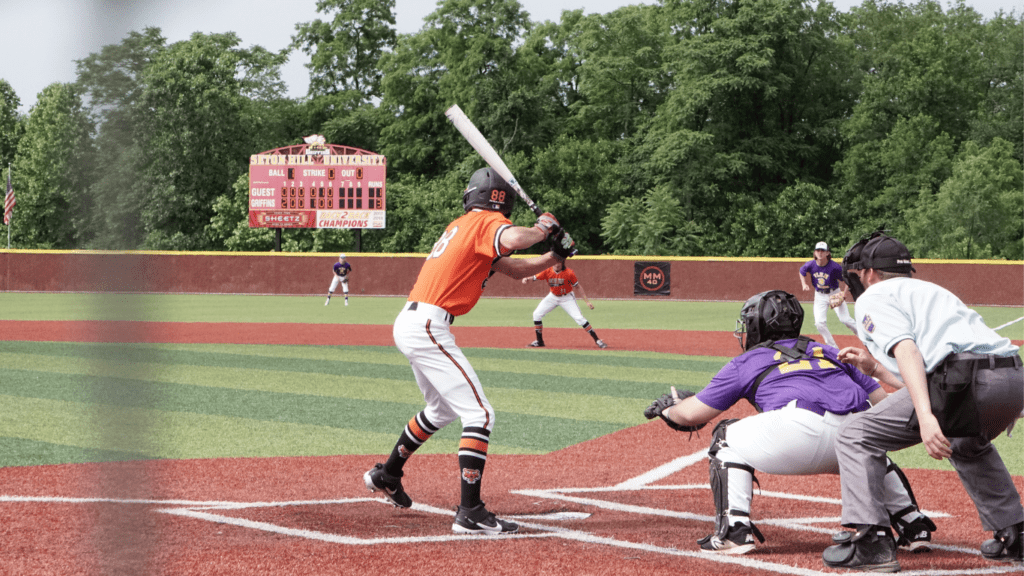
[802, 393]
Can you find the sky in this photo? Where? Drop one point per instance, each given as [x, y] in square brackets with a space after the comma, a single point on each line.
[42, 39]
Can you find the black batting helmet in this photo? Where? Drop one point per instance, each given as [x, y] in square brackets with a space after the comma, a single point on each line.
[771, 315]
[489, 191]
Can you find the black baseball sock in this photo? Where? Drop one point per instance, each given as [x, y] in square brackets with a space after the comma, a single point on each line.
[538, 327]
[416, 432]
[590, 330]
[472, 457]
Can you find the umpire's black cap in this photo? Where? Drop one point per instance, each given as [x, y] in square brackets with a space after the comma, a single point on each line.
[887, 254]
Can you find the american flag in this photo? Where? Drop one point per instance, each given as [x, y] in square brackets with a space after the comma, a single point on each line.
[8, 201]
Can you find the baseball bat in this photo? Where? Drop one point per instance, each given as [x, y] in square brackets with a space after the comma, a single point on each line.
[469, 131]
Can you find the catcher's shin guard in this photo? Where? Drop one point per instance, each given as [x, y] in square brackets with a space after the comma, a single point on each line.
[913, 535]
[723, 475]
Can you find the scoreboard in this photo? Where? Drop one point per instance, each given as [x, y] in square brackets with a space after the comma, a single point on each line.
[317, 186]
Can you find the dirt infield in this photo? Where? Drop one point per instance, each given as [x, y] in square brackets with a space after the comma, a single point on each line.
[626, 503]
[633, 502]
[693, 343]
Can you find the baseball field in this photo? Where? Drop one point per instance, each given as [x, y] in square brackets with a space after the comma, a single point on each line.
[160, 434]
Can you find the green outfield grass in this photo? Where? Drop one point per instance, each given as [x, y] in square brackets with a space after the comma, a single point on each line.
[638, 314]
[81, 402]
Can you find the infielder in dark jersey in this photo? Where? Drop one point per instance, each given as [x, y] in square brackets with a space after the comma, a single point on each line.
[453, 277]
[826, 276]
[803, 393]
[341, 271]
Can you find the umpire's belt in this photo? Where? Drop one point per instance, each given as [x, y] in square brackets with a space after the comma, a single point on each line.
[431, 311]
[962, 367]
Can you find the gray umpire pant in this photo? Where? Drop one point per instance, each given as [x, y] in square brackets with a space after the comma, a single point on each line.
[865, 437]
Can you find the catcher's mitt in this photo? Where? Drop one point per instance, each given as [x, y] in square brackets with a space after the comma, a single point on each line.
[658, 407]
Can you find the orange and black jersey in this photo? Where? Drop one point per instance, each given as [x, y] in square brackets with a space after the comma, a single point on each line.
[456, 270]
[561, 283]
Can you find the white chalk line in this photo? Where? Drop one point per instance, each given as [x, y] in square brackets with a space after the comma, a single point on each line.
[1010, 323]
[203, 510]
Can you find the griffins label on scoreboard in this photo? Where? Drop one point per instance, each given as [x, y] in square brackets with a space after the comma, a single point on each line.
[319, 185]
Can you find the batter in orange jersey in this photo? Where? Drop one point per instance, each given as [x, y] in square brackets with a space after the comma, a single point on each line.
[471, 249]
[562, 281]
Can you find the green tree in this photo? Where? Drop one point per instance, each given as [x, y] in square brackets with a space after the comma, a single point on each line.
[977, 211]
[199, 132]
[801, 215]
[758, 88]
[1001, 110]
[11, 127]
[53, 169]
[653, 225]
[345, 78]
[466, 55]
[925, 81]
[111, 82]
[622, 78]
[344, 51]
[419, 209]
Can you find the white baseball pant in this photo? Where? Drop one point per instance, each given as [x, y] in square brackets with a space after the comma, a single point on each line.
[794, 442]
[821, 301]
[567, 302]
[339, 280]
[449, 384]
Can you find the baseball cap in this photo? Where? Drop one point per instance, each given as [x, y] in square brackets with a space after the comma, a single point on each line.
[821, 246]
[342, 256]
[887, 254]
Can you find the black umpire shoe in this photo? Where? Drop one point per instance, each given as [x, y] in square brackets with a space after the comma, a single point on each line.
[379, 480]
[870, 549]
[478, 520]
[1007, 545]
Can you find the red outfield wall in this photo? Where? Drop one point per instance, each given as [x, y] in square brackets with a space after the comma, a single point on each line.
[723, 279]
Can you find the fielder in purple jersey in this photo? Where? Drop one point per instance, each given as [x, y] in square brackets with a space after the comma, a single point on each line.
[341, 271]
[826, 275]
[802, 393]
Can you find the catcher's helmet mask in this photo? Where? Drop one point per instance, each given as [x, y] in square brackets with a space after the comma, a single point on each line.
[489, 191]
[875, 251]
[771, 315]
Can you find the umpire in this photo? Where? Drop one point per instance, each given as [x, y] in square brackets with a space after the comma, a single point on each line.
[964, 386]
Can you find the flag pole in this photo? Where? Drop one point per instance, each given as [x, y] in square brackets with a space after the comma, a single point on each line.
[5, 202]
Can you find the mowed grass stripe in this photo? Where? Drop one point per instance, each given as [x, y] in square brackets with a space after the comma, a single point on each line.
[529, 402]
[164, 434]
[296, 359]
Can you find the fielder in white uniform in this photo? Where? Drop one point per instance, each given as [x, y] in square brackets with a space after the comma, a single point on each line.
[829, 291]
[803, 394]
[563, 286]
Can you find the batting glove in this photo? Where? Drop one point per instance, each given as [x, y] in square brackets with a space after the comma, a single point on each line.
[548, 224]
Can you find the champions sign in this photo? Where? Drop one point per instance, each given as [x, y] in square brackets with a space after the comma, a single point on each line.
[317, 185]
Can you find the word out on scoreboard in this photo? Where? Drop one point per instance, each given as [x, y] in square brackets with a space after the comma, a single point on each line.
[317, 185]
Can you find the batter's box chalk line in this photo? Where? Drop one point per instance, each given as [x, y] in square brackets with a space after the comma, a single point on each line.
[545, 525]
